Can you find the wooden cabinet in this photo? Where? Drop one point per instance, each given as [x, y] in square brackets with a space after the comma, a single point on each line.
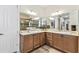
[49, 39]
[32, 41]
[26, 43]
[39, 39]
[78, 44]
[42, 38]
[49, 42]
[57, 41]
[66, 43]
[36, 40]
[49, 36]
[70, 43]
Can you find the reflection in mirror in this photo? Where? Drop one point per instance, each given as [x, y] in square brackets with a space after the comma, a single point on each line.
[52, 20]
[24, 24]
[27, 24]
[73, 27]
[64, 22]
[43, 23]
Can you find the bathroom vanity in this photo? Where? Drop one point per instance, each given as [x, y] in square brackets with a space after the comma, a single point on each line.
[31, 41]
[65, 42]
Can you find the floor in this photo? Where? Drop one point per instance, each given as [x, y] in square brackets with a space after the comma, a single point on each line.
[46, 49]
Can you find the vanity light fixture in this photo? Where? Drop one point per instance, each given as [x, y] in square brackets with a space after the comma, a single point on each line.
[31, 13]
[51, 18]
[57, 13]
[36, 18]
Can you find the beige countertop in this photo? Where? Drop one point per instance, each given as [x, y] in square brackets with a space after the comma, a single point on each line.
[25, 32]
[75, 33]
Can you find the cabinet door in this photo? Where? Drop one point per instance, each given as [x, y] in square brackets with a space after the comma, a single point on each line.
[49, 39]
[57, 41]
[70, 43]
[49, 36]
[27, 43]
[42, 38]
[36, 40]
[78, 44]
[49, 42]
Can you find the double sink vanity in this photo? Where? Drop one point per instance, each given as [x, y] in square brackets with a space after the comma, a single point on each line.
[63, 41]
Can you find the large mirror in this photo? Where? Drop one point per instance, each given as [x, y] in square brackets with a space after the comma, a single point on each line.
[28, 22]
[64, 22]
[60, 22]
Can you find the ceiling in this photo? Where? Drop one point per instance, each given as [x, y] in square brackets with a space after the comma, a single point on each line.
[47, 10]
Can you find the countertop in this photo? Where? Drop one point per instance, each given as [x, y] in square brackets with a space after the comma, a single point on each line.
[26, 32]
[75, 33]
